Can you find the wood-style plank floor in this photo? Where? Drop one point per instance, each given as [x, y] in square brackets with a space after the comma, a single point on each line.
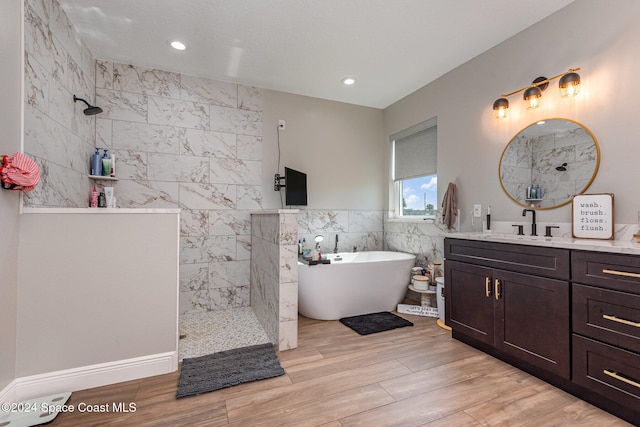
[414, 376]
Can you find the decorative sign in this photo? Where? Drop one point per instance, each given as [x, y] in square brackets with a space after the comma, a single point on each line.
[592, 216]
[418, 310]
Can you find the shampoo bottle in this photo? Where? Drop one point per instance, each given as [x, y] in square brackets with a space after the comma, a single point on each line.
[96, 163]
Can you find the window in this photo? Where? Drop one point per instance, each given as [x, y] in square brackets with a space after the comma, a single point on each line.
[414, 173]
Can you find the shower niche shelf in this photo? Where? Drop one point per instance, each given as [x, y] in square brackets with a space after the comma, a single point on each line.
[103, 178]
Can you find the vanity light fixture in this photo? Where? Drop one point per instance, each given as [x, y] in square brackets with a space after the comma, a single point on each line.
[500, 107]
[569, 86]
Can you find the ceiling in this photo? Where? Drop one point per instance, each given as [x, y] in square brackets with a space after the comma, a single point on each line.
[306, 47]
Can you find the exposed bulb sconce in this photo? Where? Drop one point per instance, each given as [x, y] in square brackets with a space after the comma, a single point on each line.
[500, 107]
[90, 110]
[569, 86]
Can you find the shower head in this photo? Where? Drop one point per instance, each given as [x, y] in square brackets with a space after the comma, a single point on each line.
[562, 167]
[90, 110]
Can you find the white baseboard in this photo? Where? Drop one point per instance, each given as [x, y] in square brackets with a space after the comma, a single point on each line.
[75, 379]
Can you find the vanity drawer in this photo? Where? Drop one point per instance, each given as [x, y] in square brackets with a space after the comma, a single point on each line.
[613, 271]
[608, 371]
[536, 260]
[609, 316]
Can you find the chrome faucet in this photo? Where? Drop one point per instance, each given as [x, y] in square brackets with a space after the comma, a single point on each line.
[533, 220]
[335, 248]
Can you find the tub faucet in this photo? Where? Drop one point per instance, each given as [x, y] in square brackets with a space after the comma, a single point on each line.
[533, 220]
[335, 248]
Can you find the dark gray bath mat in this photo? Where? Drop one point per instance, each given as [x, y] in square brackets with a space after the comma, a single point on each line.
[227, 368]
[366, 324]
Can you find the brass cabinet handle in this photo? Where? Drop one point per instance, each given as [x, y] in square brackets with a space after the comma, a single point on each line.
[487, 287]
[620, 378]
[621, 273]
[619, 320]
[497, 287]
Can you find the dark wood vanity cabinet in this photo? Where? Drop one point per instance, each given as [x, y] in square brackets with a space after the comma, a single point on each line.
[570, 317]
[522, 315]
[606, 327]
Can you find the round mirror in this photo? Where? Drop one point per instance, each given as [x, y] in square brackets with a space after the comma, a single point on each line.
[548, 162]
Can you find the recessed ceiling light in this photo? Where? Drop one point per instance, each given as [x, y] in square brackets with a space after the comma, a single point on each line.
[348, 81]
[177, 45]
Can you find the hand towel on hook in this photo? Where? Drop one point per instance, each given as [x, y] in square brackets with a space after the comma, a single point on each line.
[449, 206]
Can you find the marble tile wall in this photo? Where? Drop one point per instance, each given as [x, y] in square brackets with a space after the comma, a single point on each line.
[57, 135]
[362, 229]
[575, 148]
[195, 144]
[516, 166]
[423, 239]
[370, 230]
[533, 161]
[274, 275]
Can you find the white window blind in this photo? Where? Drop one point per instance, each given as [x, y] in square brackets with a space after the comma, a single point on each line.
[415, 151]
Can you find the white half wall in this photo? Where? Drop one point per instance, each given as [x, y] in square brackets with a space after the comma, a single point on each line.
[96, 287]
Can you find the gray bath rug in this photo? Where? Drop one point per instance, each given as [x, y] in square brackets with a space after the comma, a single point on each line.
[227, 368]
[366, 324]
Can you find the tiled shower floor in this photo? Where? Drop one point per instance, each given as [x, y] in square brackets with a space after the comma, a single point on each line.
[221, 330]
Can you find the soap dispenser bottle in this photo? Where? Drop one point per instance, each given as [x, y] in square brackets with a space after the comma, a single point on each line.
[106, 163]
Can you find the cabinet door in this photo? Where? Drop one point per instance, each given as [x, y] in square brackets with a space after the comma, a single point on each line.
[469, 300]
[532, 320]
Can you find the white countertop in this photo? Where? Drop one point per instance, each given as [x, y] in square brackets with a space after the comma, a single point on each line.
[614, 246]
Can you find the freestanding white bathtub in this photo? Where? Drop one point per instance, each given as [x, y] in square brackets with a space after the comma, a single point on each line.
[360, 283]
